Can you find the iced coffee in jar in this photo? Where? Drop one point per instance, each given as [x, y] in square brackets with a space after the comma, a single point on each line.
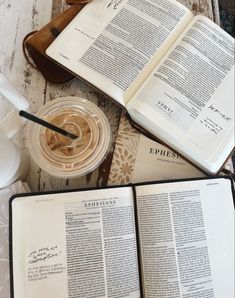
[62, 156]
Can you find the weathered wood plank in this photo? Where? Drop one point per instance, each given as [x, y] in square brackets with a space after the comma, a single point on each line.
[199, 7]
[17, 18]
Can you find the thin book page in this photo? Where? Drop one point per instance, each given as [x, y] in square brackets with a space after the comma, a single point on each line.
[187, 238]
[71, 244]
[189, 98]
[115, 44]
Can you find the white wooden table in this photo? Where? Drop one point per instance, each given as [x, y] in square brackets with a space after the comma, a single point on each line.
[19, 17]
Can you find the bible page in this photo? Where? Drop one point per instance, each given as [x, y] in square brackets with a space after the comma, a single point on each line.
[188, 100]
[75, 245]
[114, 44]
[186, 232]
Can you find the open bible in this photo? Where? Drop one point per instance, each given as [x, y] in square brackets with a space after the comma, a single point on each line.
[172, 72]
[164, 239]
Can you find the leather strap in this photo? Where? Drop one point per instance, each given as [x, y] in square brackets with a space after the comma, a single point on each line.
[54, 31]
[25, 52]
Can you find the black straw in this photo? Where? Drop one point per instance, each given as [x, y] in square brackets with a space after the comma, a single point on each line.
[47, 124]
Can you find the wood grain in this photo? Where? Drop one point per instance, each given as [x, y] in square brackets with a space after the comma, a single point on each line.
[17, 18]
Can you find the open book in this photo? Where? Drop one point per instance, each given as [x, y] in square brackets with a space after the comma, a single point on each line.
[173, 73]
[164, 239]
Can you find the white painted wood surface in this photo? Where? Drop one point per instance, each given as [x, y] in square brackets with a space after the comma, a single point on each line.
[17, 18]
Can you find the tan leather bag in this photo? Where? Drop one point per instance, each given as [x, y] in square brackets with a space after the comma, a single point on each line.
[36, 43]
